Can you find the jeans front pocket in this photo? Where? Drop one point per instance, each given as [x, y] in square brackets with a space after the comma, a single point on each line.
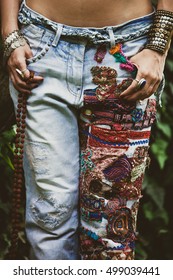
[39, 40]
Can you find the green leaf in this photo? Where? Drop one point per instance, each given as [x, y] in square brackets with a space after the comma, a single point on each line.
[148, 211]
[165, 128]
[8, 135]
[159, 149]
[8, 161]
[152, 214]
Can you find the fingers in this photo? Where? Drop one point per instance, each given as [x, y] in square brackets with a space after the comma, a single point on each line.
[140, 89]
[23, 79]
[149, 66]
[21, 85]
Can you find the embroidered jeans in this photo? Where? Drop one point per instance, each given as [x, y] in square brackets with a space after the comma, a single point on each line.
[80, 134]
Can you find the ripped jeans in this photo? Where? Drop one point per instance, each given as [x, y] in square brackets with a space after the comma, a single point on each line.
[79, 134]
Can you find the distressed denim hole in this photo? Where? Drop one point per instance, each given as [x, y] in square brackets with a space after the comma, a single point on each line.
[37, 154]
[50, 211]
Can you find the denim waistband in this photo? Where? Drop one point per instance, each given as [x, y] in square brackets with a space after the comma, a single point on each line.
[126, 31]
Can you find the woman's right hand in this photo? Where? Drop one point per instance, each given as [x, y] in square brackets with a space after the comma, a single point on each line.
[26, 82]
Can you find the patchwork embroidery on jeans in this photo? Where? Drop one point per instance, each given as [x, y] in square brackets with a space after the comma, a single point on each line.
[114, 139]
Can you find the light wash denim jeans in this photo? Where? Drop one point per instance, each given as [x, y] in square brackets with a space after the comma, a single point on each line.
[84, 71]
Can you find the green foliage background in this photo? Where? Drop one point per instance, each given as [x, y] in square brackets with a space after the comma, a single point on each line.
[155, 218]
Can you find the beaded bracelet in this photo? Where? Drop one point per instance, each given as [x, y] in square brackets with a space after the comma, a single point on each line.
[13, 41]
[161, 31]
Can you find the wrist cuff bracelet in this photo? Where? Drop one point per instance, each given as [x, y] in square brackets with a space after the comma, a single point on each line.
[13, 41]
[161, 31]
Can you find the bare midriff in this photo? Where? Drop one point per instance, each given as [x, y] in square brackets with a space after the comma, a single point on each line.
[91, 13]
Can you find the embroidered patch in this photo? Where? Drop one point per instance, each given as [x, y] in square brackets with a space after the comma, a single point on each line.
[100, 53]
[123, 85]
[150, 112]
[129, 190]
[137, 115]
[141, 152]
[107, 137]
[112, 102]
[109, 255]
[120, 226]
[86, 162]
[93, 203]
[120, 57]
[91, 234]
[103, 75]
[105, 78]
[96, 186]
[113, 204]
[138, 170]
[119, 170]
[91, 216]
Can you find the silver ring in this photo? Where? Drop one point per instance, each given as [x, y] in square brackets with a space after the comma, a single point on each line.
[23, 71]
[20, 73]
[140, 83]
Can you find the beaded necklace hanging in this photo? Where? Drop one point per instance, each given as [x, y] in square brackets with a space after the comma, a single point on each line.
[18, 174]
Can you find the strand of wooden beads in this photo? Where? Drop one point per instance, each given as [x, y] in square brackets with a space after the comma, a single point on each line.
[18, 174]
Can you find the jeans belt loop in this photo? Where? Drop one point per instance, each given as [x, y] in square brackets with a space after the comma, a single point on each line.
[58, 35]
[111, 35]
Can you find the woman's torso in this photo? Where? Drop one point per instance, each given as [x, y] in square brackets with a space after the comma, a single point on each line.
[93, 13]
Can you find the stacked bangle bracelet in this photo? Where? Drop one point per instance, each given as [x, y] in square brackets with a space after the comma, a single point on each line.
[13, 41]
[161, 31]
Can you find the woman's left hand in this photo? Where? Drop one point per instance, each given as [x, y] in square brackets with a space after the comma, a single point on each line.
[150, 65]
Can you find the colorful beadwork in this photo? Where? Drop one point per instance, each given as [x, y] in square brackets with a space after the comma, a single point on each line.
[125, 63]
[137, 115]
[86, 160]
